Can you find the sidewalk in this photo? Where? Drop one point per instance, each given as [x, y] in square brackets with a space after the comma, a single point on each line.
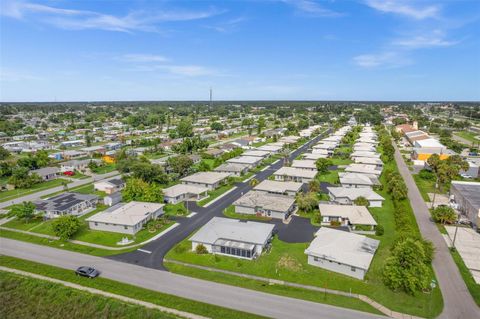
[145, 304]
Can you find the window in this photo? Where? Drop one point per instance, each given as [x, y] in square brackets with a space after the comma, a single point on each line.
[315, 258]
[96, 224]
[353, 269]
[126, 227]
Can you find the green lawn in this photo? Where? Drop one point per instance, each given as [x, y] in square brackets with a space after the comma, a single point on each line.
[25, 297]
[472, 137]
[214, 194]
[79, 175]
[340, 161]
[174, 209]
[24, 225]
[329, 177]
[107, 168]
[425, 187]
[230, 212]
[19, 192]
[82, 189]
[170, 301]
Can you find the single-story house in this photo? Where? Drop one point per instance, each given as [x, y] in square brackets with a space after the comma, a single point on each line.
[305, 164]
[294, 174]
[342, 252]
[348, 215]
[180, 192]
[363, 169]
[75, 165]
[368, 140]
[214, 152]
[357, 180]
[210, 180]
[279, 188]
[314, 156]
[270, 148]
[364, 149]
[347, 195]
[94, 150]
[265, 204]
[320, 151]
[66, 204]
[126, 219]
[257, 153]
[370, 161]
[251, 161]
[109, 187]
[232, 237]
[356, 154]
[233, 169]
[46, 173]
[195, 158]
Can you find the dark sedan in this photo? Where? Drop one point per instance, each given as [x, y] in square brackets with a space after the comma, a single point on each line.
[86, 271]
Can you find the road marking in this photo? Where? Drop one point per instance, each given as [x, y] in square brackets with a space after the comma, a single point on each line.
[144, 251]
[191, 215]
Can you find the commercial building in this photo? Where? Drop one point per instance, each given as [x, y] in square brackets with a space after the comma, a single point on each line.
[467, 196]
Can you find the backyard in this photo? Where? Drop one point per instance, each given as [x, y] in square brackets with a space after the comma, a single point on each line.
[19, 192]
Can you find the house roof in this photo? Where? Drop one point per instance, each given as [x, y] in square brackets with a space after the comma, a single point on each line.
[357, 179]
[363, 168]
[365, 154]
[354, 193]
[343, 247]
[429, 142]
[128, 214]
[250, 160]
[368, 160]
[63, 201]
[357, 215]
[219, 228]
[231, 167]
[270, 148]
[205, 177]
[256, 153]
[279, 203]
[315, 156]
[180, 189]
[296, 172]
[278, 187]
[45, 171]
[304, 164]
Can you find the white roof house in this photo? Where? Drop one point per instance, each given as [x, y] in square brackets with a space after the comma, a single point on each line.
[232, 237]
[276, 187]
[210, 180]
[342, 252]
[256, 153]
[367, 140]
[126, 219]
[364, 148]
[180, 192]
[270, 148]
[232, 168]
[265, 204]
[347, 215]
[251, 161]
[294, 174]
[356, 154]
[315, 156]
[347, 195]
[370, 161]
[363, 169]
[325, 146]
[348, 179]
[305, 164]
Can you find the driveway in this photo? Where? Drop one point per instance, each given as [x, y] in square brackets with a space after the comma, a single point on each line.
[299, 230]
[458, 303]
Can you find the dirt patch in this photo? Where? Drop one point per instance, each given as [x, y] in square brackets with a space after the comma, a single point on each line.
[290, 263]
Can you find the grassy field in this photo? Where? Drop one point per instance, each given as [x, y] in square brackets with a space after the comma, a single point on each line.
[329, 177]
[340, 161]
[472, 286]
[119, 288]
[288, 262]
[19, 192]
[107, 168]
[82, 189]
[214, 194]
[426, 186]
[23, 297]
[230, 212]
[472, 137]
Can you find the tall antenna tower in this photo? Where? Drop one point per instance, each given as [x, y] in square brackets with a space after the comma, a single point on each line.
[211, 97]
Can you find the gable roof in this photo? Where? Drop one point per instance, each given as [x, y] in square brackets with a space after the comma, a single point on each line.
[354, 193]
[357, 215]
[279, 203]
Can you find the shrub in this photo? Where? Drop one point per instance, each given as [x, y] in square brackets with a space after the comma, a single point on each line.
[426, 175]
[201, 249]
[335, 223]
[380, 230]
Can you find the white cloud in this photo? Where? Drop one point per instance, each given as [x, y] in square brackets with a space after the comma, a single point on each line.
[312, 8]
[434, 39]
[9, 75]
[82, 19]
[387, 59]
[189, 70]
[405, 8]
[143, 58]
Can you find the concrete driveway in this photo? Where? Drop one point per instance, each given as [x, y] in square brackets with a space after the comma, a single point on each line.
[467, 243]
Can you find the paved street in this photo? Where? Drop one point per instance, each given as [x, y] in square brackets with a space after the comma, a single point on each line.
[37, 195]
[205, 291]
[159, 248]
[458, 303]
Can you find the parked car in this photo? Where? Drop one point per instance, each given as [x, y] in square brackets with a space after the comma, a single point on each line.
[466, 176]
[86, 271]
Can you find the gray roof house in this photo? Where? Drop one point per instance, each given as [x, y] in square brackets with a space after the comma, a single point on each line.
[46, 173]
[347, 195]
[265, 204]
[314, 156]
[348, 179]
[234, 238]
[305, 164]
[232, 169]
[363, 169]
[181, 192]
[67, 204]
[356, 154]
[279, 188]
[251, 161]
[257, 153]
[348, 215]
[210, 180]
[342, 252]
[294, 174]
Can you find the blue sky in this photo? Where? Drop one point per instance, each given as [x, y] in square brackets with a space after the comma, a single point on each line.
[176, 50]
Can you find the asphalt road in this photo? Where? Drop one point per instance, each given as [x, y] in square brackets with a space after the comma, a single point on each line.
[200, 290]
[160, 247]
[458, 303]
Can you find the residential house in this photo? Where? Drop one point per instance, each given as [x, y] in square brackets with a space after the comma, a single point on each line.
[357, 180]
[75, 165]
[294, 174]
[363, 169]
[250, 161]
[273, 148]
[265, 204]
[314, 156]
[66, 204]
[233, 169]
[46, 173]
[210, 180]
[342, 252]
[347, 195]
[305, 164]
[112, 199]
[279, 188]
[128, 219]
[370, 161]
[350, 216]
[256, 153]
[234, 238]
[109, 187]
[180, 192]
[215, 153]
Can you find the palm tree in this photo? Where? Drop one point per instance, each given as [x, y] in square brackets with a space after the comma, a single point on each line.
[254, 182]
